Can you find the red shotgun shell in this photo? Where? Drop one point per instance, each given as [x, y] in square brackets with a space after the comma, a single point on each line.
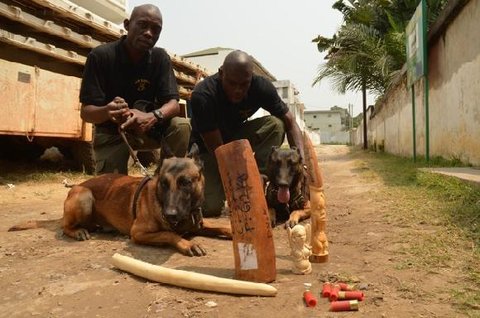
[310, 300]
[326, 290]
[345, 286]
[344, 305]
[358, 295]
[334, 292]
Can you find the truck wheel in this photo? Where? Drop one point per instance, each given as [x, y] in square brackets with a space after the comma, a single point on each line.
[83, 156]
[19, 148]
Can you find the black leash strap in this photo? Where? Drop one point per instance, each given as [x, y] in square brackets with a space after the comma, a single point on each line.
[132, 153]
[137, 195]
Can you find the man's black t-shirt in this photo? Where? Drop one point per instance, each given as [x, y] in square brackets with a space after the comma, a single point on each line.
[109, 72]
[211, 109]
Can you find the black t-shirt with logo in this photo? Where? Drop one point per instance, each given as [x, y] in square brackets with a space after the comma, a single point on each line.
[109, 72]
[211, 110]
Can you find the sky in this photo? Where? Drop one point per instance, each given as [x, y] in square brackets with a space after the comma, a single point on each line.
[277, 33]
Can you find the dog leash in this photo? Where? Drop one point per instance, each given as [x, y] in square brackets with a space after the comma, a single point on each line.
[144, 172]
[132, 153]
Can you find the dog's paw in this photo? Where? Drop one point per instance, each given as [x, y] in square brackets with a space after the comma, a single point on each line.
[82, 235]
[291, 223]
[191, 249]
[272, 215]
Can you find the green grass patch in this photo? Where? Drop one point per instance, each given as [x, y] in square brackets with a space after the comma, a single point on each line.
[17, 173]
[440, 216]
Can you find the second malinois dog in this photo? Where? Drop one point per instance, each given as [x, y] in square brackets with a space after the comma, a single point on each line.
[287, 192]
[153, 211]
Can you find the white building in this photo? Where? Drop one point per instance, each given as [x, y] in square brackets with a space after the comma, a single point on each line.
[289, 94]
[327, 123]
[323, 120]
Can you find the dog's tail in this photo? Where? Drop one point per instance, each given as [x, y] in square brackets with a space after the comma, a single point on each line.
[37, 224]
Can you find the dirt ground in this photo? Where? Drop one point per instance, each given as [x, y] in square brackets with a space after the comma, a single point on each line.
[43, 274]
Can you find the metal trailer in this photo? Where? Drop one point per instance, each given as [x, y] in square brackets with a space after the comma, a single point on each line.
[43, 47]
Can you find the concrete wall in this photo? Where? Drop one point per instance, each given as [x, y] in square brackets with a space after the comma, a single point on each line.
[454, 99]
[314, 137]
[338, 137]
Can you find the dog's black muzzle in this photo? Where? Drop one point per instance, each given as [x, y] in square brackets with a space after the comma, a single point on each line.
[193, 223]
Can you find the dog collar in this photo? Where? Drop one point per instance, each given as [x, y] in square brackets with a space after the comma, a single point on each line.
[139, 189]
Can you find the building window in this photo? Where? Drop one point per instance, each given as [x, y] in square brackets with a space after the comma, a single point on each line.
[329, 126]
[284, 92]
[314, 116]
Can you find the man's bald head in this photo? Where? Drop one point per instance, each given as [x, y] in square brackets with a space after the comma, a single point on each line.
[236, 75]
[238, 61]
[144, 28]
[144, 8]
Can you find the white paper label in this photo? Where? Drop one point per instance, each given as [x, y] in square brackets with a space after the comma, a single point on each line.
[248, 256]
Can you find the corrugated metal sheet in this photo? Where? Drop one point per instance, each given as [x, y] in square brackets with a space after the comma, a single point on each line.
[37, 102]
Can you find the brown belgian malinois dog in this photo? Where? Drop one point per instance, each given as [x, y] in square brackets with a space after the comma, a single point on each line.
[154, 210]
[287, 192]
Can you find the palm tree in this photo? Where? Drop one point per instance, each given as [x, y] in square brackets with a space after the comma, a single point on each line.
[356, 54]
[368, 51]
[356, 61]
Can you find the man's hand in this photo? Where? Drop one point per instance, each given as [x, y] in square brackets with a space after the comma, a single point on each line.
[212, 139]
[118, 110]
[139, 122]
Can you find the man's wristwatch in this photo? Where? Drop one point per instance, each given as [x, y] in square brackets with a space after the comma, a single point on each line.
[158, 115]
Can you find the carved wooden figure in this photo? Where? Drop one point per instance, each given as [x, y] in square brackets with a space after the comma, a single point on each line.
[317, 202]
[299, 239]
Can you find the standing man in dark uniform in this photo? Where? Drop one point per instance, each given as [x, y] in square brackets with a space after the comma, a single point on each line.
[130, 83]
[221, 105]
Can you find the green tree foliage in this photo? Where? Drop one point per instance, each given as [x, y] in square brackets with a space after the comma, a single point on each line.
[368, 50]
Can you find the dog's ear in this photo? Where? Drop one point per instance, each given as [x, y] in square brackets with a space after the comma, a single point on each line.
[194, 154]
[193, 151]
[166, 152]
[298, 151]
[272, 151]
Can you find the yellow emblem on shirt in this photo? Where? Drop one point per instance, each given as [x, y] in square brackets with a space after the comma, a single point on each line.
[142, 84]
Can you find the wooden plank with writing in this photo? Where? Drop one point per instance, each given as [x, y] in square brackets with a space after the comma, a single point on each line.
[253, 247]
